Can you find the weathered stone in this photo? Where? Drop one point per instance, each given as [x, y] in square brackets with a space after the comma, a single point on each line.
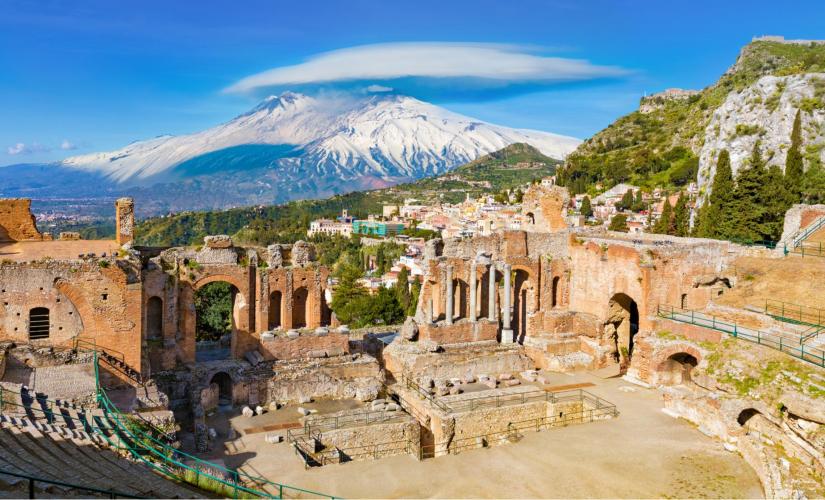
[392, 407]
[273, 438]
[217, 241]
[254, 357]
[511, 382]
[303, 253]
[247, 412]
[293, 334]
[322, 331]
[274, 406]
[409, 331]
[267, 336]
[259, 410]
[303, 411]
[803, 406]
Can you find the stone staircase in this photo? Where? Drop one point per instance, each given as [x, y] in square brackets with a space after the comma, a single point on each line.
[58, 453]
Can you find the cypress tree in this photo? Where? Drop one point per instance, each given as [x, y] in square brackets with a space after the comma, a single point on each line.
[748, 200]
[794, 167]
[681, 217]
[638, 202]
[714, 219]
[586, 208]
[665, 223]
[627, 201]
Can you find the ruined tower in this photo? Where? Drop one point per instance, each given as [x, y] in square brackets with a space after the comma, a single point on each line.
[124, 220]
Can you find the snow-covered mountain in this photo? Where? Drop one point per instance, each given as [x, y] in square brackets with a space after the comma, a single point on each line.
[378, 137]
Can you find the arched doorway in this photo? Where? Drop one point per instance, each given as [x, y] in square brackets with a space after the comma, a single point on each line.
[223, 383]
[299, 308]
[676, 369]
[39, 323]
[521, 298]
[216, 308]
[622, 324]
[461, 291]
[555, 294]
[154, 318]
[275, 303]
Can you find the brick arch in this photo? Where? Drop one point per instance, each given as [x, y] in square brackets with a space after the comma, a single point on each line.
[85, 312]
[667, 369]
[232, 280]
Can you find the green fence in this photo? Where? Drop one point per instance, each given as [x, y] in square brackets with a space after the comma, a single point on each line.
[793, 346]
[800, 247]
[34, 480]
[181, 466]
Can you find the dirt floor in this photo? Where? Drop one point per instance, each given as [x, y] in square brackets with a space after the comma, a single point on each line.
[642, 454]
[789, 279]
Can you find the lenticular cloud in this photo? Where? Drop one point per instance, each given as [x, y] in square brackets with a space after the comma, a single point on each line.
[430, 65]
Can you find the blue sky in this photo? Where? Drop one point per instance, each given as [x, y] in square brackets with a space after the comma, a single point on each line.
[83, 76]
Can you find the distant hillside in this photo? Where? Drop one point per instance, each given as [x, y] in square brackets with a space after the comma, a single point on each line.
[508, 168]
[674, 137]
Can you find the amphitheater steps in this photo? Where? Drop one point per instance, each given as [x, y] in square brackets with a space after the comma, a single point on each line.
[69, 456]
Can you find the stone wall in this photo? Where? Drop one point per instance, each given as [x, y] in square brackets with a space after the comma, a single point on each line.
[16, 221]
[304, 345]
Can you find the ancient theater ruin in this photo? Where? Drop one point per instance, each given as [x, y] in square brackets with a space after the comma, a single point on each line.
[514, 334]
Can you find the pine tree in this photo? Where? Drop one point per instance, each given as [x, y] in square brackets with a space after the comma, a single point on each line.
[775, 201]
[586, 208]
[747, 203]
[665, 223]
[794, 167]
[714, 218]
[681, 216]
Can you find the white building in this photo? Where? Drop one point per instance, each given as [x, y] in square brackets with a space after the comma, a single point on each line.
[329, 227]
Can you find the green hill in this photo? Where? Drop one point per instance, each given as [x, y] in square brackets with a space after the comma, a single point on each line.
[513, 166]
[659, 144]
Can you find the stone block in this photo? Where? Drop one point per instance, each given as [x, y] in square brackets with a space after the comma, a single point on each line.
[274, 406]
[530, 375]
[267, 337]
[505, 376]
[217, 241]
[455, 390]
[511, 382]
[303, 411]
[253, 357]
[247, 412]
[273, 438]
[259, 410]
[322, 331]
[303, 253]
[293, 334]
[409, 331]
[317, 353]
[392, 407]
[335, 351]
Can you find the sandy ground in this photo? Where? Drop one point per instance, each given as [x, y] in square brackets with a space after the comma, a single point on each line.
[789, 279]
[642, 454]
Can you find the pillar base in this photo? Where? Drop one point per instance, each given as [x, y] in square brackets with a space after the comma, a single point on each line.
[507, 336]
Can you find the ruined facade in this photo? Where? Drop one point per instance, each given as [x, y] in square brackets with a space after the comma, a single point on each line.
[17, 222]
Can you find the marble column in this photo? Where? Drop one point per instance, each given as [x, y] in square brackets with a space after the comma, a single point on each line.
[473, 292]
[449, 305]
[491, 292]
[506, 331]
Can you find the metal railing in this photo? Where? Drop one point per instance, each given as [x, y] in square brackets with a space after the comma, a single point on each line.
[537, 395]
[793, 346]
[34, 480]
[169, 461]
[409, 383]
[798, 245]
[794, 313]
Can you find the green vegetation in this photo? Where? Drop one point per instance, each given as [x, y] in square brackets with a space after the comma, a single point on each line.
[213, 307]
[586, 208]
[504, 170]
[618, 223]
[657, 148]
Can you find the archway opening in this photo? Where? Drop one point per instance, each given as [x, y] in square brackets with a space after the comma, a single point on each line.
[299, 308]
[623, 325]
[531, 218]
[677, 368]
[39, 324]
[275, 304]
[521, 297]
[154, 318]
[215, 309]
[746, 415]
[555, 295]
[223, 383]
[461, 293]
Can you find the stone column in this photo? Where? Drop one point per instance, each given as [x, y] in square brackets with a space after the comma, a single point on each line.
[491, 292]
[430, 310]
[449, 305]
[124, 220]
[506, 331]
[473, 292]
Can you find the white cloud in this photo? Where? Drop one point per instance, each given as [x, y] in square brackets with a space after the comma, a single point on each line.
[378, 88]
[67, 145]
[483, 63]
[25, 149]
